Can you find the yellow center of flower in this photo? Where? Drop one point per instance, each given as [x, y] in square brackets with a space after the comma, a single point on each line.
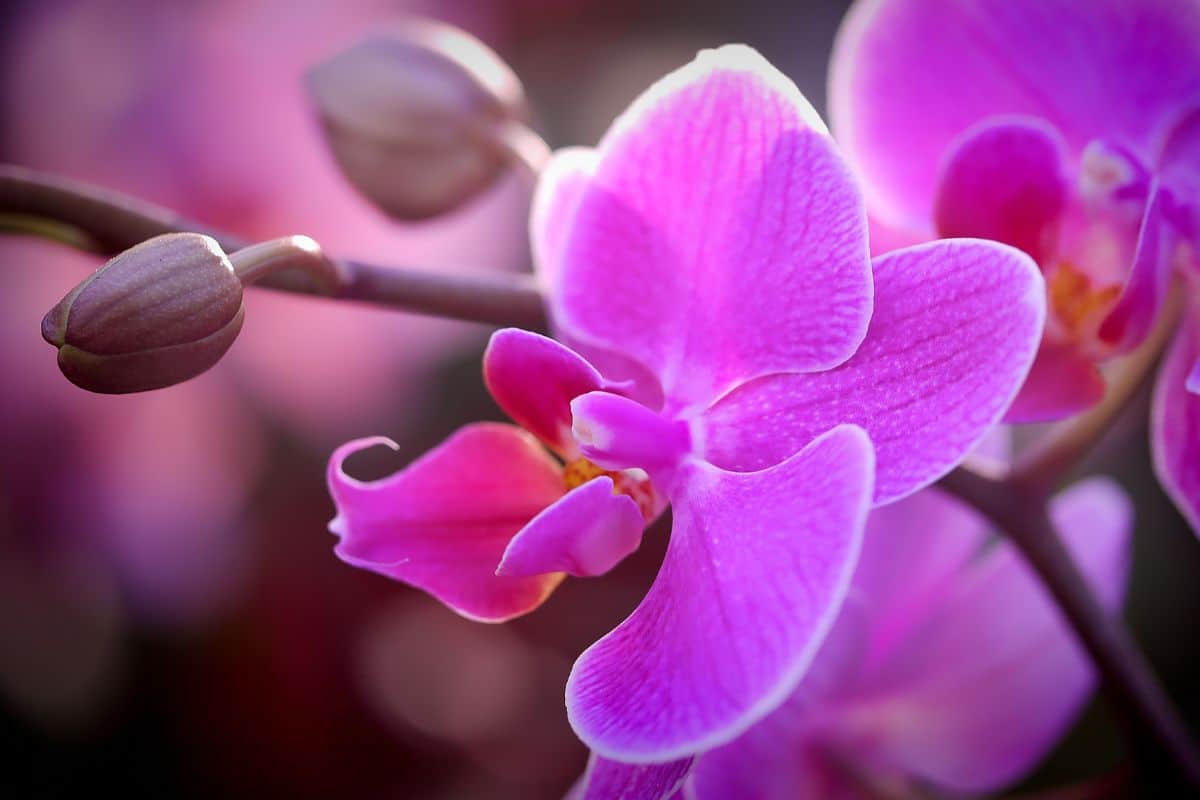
[1078, 306]
[628, 482]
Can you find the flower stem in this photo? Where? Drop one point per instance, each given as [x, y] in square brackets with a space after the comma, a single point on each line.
[107, 222]
[259, 261]
[1158, 736]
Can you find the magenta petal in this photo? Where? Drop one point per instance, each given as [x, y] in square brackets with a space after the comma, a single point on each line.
[614, 780]
[534, 379]
[719, 204]
[1136, 311]
[1004, 180]
[585, 533]
[739, 607]
[909, 77]
[1179, 163]
[1061, 383]
[442, 523]
[991, 680]
[955, 329]
[1175, 419]
[911, 551]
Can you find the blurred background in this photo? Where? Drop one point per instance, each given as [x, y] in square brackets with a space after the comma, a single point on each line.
[172, 620]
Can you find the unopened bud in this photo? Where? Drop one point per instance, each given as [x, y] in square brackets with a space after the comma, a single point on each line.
[158, 314]
[420, 117]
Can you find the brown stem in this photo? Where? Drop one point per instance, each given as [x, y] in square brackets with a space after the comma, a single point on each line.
[108, 223]
[1158, 736]
[257, 262]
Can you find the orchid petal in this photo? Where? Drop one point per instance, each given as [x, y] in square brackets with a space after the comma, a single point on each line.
[561, 185]
[719, 204]
[442, 523]
[911, 551]
[991, 680]
[908, 77]
[1004, 180]
[955, 329]
[1179, 164]
[1175, 420]
[614, 780]
[1138, 307]
[534, 379]
[783, 757]
[584, 534]
[738, 609]
[1060, 384]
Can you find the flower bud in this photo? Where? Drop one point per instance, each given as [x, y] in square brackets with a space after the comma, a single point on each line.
[158, 314]
[415, 114]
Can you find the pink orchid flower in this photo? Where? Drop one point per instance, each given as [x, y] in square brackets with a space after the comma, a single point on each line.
[949, 665]
[1068, 129]
[729, 352]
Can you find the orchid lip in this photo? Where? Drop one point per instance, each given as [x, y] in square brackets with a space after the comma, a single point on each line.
[615, 432]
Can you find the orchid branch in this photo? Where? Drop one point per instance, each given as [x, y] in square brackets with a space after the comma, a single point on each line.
[97, 220]
[85, 217]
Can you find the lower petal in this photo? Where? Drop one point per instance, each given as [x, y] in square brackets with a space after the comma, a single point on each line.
[1061, 383]
[992, 679]
[757, 567]
[586, 533]
[1175, 420]
[615, 780]
[442, 523]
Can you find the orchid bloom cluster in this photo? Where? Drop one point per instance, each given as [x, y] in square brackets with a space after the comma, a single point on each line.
[727, 346]
[1070, 130]
[734, 339]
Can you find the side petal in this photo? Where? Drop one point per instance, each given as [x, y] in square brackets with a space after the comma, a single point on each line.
[956, 327]
[756, 569]
[442, 523]
[534, 379]
[584, 534]
[1179, 168]
[908, 77]
[1137, 309]
[1175, 420]
[1061, 383]
[614, 780]
[719, 204]
[994, 677]
[1004, 180]
[912, 550]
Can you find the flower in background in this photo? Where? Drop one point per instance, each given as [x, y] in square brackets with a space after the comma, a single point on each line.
[728, 348]
[1070, 130]
[949, 666]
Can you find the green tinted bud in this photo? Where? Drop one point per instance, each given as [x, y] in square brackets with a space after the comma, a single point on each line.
[158, 314]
